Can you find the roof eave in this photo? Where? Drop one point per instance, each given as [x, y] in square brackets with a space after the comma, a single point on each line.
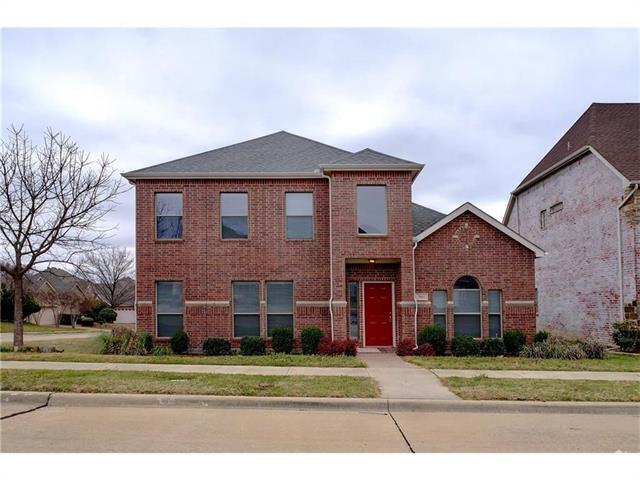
[469, 207]
[133, 176]
[416, 168]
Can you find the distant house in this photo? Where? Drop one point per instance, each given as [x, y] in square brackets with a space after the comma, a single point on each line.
[284, 231]
[581, 204]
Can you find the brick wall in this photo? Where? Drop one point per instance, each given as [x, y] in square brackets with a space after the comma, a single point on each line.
[470, 246]
[578, 279]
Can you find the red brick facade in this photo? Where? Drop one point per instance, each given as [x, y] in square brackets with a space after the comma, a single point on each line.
[207, 265]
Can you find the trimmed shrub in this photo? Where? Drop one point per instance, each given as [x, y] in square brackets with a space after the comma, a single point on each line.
[627, 335]
[465, 346]
[107, 315]
[282, 340]
[179, 342]
[514, 340]
[436, 336]
[554, 348]
[405, 347]
[146, 340]
[425, 350]
[541, 336]
[86, 321]
[309, 339]
[492, 347]
[252, 346]
[216, 346]
[338, 347]
[122, 341]
[593, 348]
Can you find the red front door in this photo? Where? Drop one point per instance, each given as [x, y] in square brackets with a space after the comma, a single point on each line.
[378, 314]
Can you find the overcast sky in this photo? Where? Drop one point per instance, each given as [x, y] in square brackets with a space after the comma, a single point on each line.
[478, 107]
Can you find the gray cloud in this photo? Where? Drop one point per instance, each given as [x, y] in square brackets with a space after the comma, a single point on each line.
[478, 107]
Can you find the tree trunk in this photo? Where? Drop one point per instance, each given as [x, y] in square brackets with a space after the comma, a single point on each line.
[17, 312]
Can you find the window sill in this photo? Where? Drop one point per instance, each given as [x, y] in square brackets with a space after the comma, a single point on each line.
[372, 235]
[169, 240]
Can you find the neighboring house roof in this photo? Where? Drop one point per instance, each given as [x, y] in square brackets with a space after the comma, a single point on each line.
[60, 280]
[468, 207]
[279, 154]
[612, 129]
[423, 218]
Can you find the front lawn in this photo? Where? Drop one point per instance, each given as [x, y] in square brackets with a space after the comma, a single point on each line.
[484, 388]
[31, 328]
[70, 346]
[92, 381]
[614, 362]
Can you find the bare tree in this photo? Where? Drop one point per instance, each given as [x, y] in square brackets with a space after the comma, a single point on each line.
[110, 271]
[53, 200]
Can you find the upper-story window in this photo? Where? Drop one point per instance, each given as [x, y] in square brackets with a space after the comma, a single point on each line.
[299, 211]
[169, 216]
[543, 219]
[372, 209]
[234, 215]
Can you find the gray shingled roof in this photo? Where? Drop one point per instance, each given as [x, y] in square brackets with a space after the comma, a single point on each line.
[423, 218]
[278, 153]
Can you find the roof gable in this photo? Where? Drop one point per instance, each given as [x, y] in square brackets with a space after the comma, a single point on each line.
[613, 129]
[468, 207]
[424, 217]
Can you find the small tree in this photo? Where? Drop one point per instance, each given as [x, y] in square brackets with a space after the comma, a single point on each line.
[109, 270]
[53, 201]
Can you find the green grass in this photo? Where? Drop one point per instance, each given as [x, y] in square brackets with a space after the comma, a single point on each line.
[91, 381]
[613, 363]
[30, 328]
[70, 347]
[484, 388]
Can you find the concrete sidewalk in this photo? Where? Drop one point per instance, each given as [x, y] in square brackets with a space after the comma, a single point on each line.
[540, 374]
[399, 379]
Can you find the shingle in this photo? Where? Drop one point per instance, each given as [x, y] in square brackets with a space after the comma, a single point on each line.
[613, 129]
[423, 218]
[280, 152]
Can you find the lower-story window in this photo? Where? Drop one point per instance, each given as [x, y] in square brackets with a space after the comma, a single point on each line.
[246, 309]
[169, 308]
[279, 306]
[353, 310]
[467, 307]
[495, 313]
[439, 306]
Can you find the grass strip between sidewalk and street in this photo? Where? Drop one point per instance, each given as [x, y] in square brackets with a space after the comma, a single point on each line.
[92, 381]
[614, 362]
[485, 388]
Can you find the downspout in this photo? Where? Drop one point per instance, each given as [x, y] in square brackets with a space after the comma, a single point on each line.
[620, 272]
[328, 177]
[415, 295]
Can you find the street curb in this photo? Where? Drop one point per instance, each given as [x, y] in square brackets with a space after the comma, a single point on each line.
[378, 405]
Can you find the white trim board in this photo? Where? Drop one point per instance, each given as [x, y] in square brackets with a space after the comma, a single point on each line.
[469, 207]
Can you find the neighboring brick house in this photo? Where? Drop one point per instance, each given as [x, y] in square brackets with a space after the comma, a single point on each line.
[286, 231]
[580, 203]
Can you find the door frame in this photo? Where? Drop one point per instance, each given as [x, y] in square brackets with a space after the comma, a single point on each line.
[393, 312]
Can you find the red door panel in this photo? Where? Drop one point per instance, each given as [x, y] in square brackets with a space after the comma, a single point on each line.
[378, 314]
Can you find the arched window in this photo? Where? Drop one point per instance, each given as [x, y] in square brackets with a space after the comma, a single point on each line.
[467, 307]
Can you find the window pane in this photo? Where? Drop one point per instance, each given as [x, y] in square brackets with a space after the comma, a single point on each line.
[466, 301]
[246, 325]
[439, 301]
[246, 297]
[353, 310]
[495, 327]
[169, 324]
[467, 325]
[169, 297]
[440, 320]
[279, 321]
[234, 205]
[280, 297]
[299, 204]
[467, 283]
[169, 227]
[168, 204]
[495, 301]
[299, 227]
[372, 209]
[235, 227]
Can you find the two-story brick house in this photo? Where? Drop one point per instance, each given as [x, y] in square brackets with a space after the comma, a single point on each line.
[286, 231]
[581, 204]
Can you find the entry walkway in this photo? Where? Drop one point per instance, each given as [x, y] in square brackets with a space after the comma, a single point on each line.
[399, 379]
